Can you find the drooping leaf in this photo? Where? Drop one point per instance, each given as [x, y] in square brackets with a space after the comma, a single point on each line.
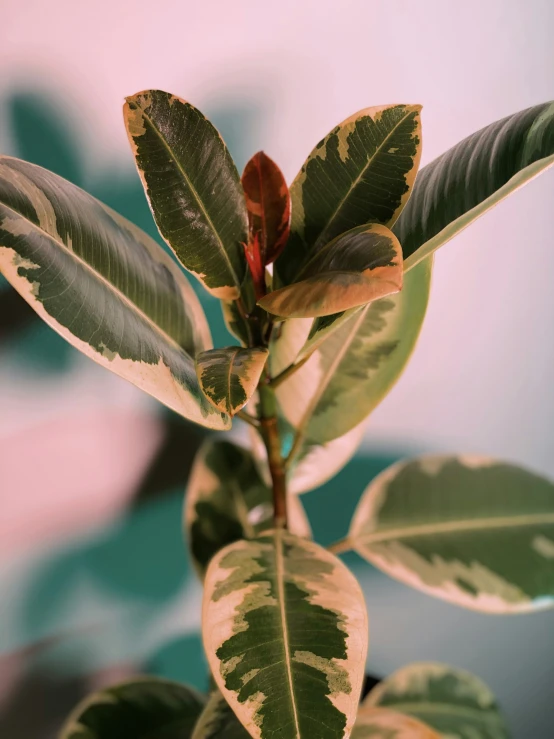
[285, 632]
[472, 531]
[144, 708]
[104, 285]
[229, 375]
[356, 268]
[218, 721]
[227, 500]
[472, 177]
[268, 204]
[349, 374]
[452, 701]
[382, 723]
[361, 172]
[193, 188]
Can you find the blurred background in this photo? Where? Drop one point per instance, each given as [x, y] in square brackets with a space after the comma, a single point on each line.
[95, 582]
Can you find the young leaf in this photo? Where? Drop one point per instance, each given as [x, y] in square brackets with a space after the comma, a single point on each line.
[472, 177]
[142, 708]
[382, 723]
[193, 188]
[227, 500]
[453, 702]
[229, 376]
[104, 285]
[472, 531]
[268, 204]
[357, 267]
[361, 172]
[285, 632]
[349, 374]
[218, 721]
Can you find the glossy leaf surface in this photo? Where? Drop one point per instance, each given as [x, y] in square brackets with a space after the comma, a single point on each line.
[452, 701]
[104, 285]
[144, 708]
[193, 188]
[229, 376]
[358, 267]
[472, 531]
[285, 632]
[354, 368]
[472, 177]
[227, 500]
[268, 204]
[361, 172]
[382, 723]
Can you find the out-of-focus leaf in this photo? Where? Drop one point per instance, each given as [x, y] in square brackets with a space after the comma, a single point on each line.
[229, 376]
[193, 188]
[104, 286]
[472, 177]
[228, 500]
[285, 632]
[382, 723]
[453, 702]
[218, 721]
[141, 709]
[361, 172]
[473, 531]
[356, 268]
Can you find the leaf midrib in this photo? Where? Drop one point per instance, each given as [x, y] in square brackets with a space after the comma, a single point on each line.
[199, 202]
[462, 525]
[280, 577]
[100, 277]
[362, 173]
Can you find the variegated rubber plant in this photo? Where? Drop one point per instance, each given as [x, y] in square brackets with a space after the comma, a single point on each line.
[324, 286]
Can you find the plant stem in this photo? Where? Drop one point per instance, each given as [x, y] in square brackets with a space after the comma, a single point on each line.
[343, 545]
[244, 416]
[270, 434]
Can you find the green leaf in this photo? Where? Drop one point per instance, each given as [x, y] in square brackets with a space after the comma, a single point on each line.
[349, 374]
[104, 285]
[227, 500]
[193, 188]
[285, 632]
[235, 321]
[357, 267]
[453, 702]
[472, 177]
[143, 708]
[218, 721]
[361, 172]
[268, 204]
[229, 376]
[382, 723]
[472, 531]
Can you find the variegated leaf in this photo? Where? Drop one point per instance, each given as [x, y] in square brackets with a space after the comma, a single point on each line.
[472, 177]
[218, 721]
[470, 530]
[285, 632]
[193, 188]
[349, 374]
[323, 327]
[356, 268]
[452, 701]
[382, 723]
[227, 500]
[230, 375]
[235, 322]
[361, 172]
[268, 204]
[143, 708]
[104, 285]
